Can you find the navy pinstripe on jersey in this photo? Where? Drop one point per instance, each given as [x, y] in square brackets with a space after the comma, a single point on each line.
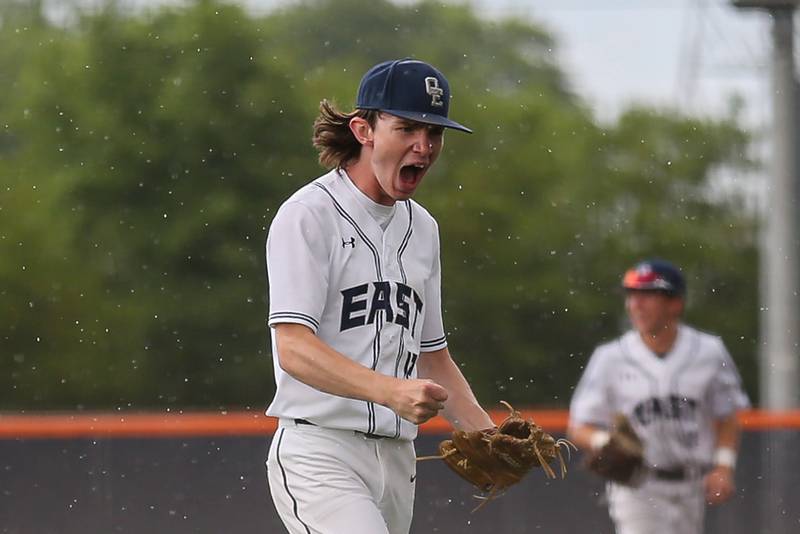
[376, 345]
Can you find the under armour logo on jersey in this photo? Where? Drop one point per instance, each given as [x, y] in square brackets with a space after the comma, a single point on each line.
[351, 243]
[433, 89]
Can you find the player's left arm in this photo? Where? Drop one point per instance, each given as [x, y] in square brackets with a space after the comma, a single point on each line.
[461, 408]
[726, 398]
[719, 483]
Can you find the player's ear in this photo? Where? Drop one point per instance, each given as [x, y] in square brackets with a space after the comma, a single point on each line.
[362, 131]
[679, 306]
[674, 306]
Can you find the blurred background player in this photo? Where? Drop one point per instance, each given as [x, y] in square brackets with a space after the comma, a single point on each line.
[359, 348]
[680, 390]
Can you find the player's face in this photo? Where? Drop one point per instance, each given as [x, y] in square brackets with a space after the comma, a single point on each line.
[651, 312]
[402, 152]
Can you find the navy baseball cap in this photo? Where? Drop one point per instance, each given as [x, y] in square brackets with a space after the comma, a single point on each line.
[655, 275]
[410, 89]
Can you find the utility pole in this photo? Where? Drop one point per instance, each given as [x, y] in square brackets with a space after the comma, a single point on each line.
[780, 348]
[780, 276]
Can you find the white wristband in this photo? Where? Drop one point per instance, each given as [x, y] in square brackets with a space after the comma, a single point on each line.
[725, 456]
[599, 439]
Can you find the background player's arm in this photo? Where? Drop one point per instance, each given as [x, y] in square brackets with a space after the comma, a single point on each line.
[727, 432]
[586, 436]
[312, 361]
[719, 483]
[591, 408]
[461, 409]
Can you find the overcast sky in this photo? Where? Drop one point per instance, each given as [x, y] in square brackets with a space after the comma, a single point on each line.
[690, 53]
[693, 54]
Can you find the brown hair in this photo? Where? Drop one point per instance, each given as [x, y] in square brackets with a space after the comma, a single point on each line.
[332, 137]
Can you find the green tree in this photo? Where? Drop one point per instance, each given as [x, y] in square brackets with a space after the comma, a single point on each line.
[162, 141]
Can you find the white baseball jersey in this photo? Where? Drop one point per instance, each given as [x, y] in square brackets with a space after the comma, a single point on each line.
[672, 401]
[371, 294]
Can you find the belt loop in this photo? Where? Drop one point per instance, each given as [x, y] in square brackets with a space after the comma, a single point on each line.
[303, 422]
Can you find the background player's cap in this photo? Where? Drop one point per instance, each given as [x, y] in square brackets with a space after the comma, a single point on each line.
[410, 89]
[655, 275]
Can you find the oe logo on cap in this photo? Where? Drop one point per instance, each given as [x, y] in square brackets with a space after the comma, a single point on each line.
[433, 89]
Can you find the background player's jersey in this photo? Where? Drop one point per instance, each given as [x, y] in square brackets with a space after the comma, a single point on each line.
[372, 295]
[672, 401]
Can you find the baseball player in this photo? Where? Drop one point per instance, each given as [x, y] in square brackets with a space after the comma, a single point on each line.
[680, 390]
[359, 348]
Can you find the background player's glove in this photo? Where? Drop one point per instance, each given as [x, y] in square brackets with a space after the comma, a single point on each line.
[620, 459]
[496, 458]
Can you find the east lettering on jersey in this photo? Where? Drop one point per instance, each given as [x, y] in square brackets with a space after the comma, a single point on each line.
[672, 407]
[359, 309]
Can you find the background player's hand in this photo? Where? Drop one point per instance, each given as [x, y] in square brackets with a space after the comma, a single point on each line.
[416, 400]
[719, 485]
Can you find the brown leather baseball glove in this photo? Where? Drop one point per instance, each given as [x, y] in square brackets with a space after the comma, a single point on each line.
[622, 457]
[496, 458]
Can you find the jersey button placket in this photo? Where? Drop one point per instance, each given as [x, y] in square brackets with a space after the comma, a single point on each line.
[390, 265]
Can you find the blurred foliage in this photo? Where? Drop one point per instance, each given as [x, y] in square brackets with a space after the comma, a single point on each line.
[143, 155]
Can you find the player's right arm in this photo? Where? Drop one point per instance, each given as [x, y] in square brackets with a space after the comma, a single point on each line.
[590, 406]
[310, 360]
[587, 436]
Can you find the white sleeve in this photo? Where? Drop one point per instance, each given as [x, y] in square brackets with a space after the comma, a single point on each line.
[433, 337]
[591, 402]
[297, 267]
[726, 394]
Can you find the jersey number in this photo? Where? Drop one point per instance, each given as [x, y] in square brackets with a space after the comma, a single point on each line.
[411, 361]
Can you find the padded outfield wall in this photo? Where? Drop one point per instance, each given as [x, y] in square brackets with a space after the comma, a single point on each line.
[202, 473]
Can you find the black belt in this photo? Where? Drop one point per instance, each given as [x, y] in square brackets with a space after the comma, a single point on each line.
[677, 474]
[365, 434]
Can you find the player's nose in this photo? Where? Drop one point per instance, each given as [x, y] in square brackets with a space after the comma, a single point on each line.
[423, 142]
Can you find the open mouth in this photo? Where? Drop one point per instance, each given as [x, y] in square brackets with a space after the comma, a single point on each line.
[412, 174]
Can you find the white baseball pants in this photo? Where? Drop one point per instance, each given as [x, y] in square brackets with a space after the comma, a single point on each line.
[657, 507]
[327, 481]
